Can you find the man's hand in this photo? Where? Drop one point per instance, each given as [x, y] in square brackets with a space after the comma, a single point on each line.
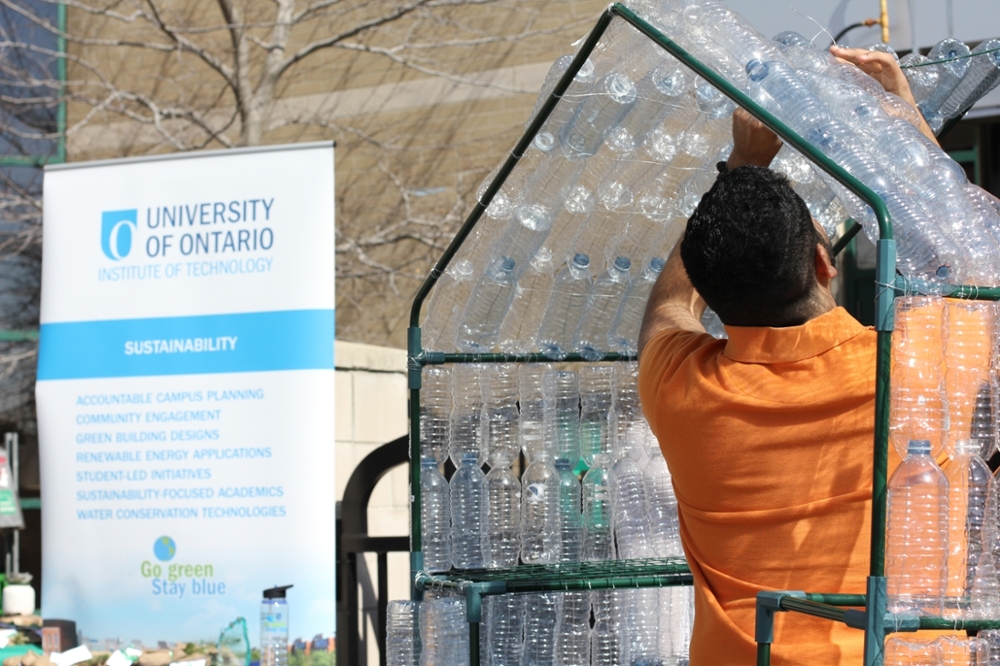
[885, 69]
[753, 142]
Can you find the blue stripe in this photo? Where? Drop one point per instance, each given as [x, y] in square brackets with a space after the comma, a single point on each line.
[289, 340]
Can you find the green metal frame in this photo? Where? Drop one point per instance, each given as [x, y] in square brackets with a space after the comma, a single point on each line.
[870, 609]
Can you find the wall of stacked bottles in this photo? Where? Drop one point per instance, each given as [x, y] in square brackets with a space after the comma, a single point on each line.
[562, 263]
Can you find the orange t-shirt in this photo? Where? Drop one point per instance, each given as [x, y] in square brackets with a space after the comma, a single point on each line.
[768, 437]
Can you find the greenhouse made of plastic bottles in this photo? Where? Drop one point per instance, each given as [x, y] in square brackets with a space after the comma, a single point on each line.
[558, 532]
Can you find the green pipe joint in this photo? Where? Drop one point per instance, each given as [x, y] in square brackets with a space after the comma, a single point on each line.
[769, 603]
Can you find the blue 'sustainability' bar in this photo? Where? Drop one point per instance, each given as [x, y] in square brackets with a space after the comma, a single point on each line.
[246, 342]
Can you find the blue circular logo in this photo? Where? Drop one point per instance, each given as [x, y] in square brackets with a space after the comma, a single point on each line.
[164, 548]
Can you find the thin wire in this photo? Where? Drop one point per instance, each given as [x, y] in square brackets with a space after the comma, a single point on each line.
[961, 57]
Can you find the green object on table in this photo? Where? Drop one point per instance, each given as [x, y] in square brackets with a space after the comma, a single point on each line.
[18, 650]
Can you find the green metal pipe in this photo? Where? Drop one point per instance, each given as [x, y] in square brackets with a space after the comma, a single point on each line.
[813, 608]
[627, 582]
[763, 654]
[786, 133]
[473, 644]
[880, 466]
[849, 233]
[851, 600]
[957, 625]
[974, 293]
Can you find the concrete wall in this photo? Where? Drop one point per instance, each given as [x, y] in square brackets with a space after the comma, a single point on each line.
[371, 410]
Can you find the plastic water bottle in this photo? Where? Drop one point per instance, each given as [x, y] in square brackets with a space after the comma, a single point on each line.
[921, 77]
[624, 333]
[567, 108]
[435, 516]
[503, 439]
[570, 520]
[488, 304]
[566, 307]
[503, 518]
[468, 514]
[598, 510]
[539, 513]
[563, 389]
[435, 413]
[917, 401]
[595, 410]
[467, 414]
[613, 96]
[626, 412]
[541, 615]
[519, 330]
[447, 305]
[665, 537]
[968, 345]
[274, 627]
[631, 519]
[505, 615]
[982, 76]
[639, 610]
[402, 633]
[955, 53]
[535, 417]
[573, 639]
[606, 638]
[917, 533]
[444, 632]
[907, 650]
[602, 308]
[969, 487]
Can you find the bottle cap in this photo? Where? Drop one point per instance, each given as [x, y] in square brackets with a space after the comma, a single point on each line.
[507, 264]
[623, 263]
[276, 592]
[918, 447]
[427, 461]
[470, 459]
[581, 260]
[562, 464]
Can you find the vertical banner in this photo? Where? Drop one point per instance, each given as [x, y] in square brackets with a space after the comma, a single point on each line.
[185, 391]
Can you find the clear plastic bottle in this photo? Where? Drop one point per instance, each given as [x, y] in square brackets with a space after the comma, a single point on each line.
[503, 438]
[402, 633]
[519, 330]
[968, 348]
[446, 306]
[962, 651]
[541, 615]
[487, 306]
[982, 76]
[534, 415]
[955, 54]
[274, 627]
[570, 519]
[626, 413]
[631, 518]
[444, 632]
[624, 333]
[602, 307]
[970, 488]
[468, 514]
[435, 413]
[639, 610]
[909, 650]
[563, 389]
[503, 521]
[916, 562]
[505, 615]
[435, 517]
[567, 107]
[606, 637]
[595, 409]
[665, 537]
[573, 640]
[539, 512]
[598, 510]
[566, 308]
[613, 97]
[922, 78]
[917, 408]
[467, 434]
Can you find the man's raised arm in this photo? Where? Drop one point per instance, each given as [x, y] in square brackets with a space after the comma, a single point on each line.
[674, 304]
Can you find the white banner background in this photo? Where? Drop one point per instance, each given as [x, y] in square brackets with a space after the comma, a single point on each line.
[222, 441]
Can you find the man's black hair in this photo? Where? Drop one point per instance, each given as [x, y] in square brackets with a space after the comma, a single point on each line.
[750, 249]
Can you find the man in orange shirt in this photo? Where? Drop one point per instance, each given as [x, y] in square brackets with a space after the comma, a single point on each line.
[768, 435]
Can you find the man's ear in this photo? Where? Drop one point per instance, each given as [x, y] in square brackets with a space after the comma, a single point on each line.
[825, 268]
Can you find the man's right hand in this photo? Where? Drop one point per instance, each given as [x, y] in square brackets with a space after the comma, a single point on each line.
[753, 142]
